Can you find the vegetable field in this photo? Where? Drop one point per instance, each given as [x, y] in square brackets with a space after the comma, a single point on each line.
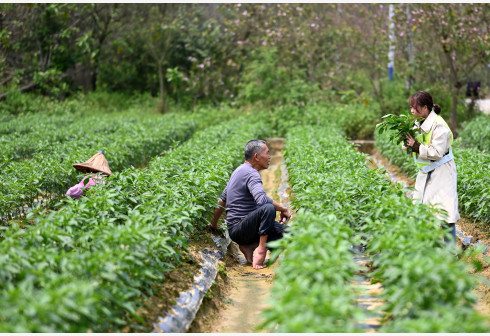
[79, 268]
[84, 265]
[171, 93]
[344, 203]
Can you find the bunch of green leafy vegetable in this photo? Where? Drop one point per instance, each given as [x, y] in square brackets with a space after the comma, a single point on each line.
[403, 125]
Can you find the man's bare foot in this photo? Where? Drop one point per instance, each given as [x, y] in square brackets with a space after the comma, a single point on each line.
[248, 251]
[259, 257]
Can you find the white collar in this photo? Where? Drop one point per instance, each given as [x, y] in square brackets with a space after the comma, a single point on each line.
[427, 124]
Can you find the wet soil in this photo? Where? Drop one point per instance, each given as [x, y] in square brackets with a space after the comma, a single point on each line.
[245, 299]
[244, 294]
[395, 170]
[478, 230]
[368, 295]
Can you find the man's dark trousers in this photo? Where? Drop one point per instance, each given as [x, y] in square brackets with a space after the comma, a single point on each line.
[258, 223]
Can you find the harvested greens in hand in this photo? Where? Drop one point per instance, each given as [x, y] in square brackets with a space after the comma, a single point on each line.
[402, 125]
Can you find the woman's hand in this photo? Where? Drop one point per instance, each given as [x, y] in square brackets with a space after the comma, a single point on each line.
[410, 140]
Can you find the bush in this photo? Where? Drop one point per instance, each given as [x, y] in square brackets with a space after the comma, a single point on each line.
[265, 81]
[356, 120]
[476, 133]
[18, 103]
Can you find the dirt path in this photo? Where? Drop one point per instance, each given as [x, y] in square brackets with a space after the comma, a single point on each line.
[246, 300]
[247, 290]
[479, 231]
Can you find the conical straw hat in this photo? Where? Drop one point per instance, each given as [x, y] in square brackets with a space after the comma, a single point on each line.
[95, 164]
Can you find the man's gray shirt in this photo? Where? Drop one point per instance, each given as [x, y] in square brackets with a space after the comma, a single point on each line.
[243, 194]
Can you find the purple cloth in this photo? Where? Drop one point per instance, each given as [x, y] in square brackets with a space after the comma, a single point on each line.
[78, 189]
[243, 194]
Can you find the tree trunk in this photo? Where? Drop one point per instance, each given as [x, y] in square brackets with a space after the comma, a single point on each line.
[161, 78]
[454, 108]
[93, 75]
[378, 92]
[456, 86]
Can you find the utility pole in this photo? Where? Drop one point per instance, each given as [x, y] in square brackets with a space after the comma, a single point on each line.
[391, 52]
[411, 52]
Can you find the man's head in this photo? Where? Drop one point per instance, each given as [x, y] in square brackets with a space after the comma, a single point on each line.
[257, 154]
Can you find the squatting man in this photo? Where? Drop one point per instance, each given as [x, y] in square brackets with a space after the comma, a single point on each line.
[250, 213]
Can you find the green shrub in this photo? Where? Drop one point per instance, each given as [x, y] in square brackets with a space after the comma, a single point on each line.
[18, 103]
[476, 133]
[356, 120]
[265, 81]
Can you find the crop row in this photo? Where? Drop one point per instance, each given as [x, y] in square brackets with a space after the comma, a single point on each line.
[50, 121]
[85, 265]
[23, 137]
[476, 133]
[473, 167]
[50, 172]
[420, 277]
[310, 292]
[355, 120]
[126, 140]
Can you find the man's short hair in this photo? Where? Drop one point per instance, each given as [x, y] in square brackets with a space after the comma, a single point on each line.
[253, 147]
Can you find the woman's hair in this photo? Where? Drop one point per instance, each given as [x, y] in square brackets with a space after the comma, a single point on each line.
[422, 98]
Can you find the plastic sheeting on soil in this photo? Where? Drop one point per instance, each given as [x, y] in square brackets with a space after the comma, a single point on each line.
[368, 299]
[181, 315]
[283, 186]
[179, 318]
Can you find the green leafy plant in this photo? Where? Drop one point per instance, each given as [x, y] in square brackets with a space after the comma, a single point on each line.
[343, 198]
[476, 133]
[473, 167]
[402, 125]
[87, 265]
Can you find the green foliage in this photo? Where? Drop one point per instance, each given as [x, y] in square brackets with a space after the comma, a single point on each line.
[441, 319]
[473, 167]
[18, 103]
[190, 53]
[74, 271]
[394, 153]
[38, 164]
[395, 96]
[356, 120]
[401, 126]
[264, 80]
[476, 133]
[418, 273]
[309, 291]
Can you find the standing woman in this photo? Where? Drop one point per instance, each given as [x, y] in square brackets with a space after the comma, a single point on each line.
[437, 180]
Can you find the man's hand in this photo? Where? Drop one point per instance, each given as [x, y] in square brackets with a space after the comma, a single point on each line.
[218, 211]
[213, 226]
[285, 216]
